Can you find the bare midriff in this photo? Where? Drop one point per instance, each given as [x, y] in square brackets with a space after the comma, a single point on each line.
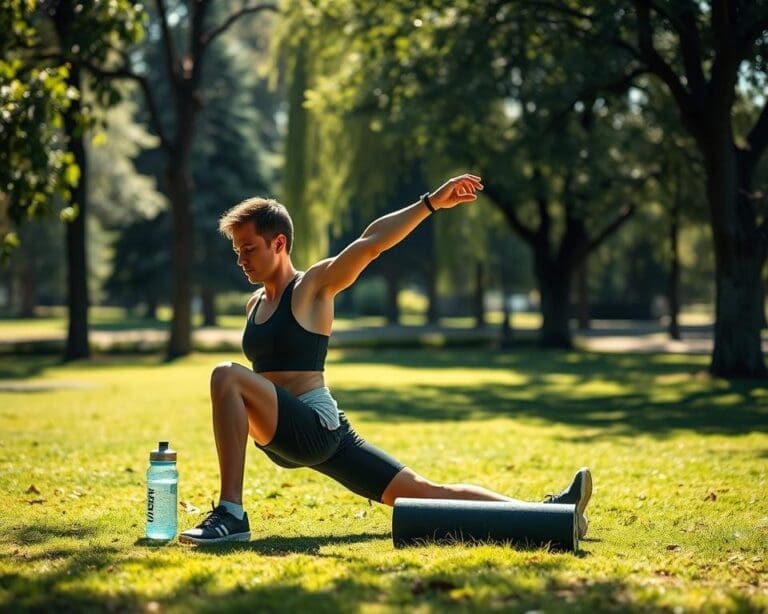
[296, 382]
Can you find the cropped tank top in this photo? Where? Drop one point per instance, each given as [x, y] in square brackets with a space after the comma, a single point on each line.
[281, 343]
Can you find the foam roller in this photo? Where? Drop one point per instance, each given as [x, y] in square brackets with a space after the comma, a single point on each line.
[421, 521]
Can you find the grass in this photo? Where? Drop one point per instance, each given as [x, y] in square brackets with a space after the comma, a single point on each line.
[679, 517]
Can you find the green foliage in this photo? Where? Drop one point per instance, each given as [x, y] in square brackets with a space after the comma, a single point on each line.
[36, 91]
[34, 166]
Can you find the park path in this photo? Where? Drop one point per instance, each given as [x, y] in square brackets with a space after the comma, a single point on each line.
[604, 336]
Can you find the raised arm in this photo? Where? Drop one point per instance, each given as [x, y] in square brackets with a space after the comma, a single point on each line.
[333, 275]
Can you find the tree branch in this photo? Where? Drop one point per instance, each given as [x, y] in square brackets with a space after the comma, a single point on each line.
[660, 68]
[125, 73]
[194, 69]
[758, 136]
[748, 38]
[171, 55]
[497, 197]
[206, 38]
[606, 232]
[684, 24]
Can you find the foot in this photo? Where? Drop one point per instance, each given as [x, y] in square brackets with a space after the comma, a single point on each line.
[219, 526]
[578, 494]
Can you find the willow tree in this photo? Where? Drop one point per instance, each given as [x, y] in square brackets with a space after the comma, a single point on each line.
[466, 83]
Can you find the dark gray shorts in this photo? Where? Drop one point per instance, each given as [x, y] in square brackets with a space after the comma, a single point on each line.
[302, 441]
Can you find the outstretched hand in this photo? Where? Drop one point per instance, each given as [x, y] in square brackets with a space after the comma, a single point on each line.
[455, 191]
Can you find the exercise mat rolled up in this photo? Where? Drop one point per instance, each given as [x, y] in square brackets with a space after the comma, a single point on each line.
[420, 521]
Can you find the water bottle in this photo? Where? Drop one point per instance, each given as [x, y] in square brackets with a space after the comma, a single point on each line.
[162, 482]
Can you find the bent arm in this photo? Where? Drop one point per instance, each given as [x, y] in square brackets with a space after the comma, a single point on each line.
[335, 274]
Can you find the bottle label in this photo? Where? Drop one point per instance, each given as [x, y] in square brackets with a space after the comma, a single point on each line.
[161, 508]
[150, 505]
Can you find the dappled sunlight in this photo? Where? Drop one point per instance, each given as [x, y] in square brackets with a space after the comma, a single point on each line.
[676, 458]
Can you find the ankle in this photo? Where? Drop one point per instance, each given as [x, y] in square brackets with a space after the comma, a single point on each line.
[236, 509]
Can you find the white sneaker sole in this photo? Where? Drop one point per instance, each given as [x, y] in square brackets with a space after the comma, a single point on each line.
[585, 495]
[234, 537]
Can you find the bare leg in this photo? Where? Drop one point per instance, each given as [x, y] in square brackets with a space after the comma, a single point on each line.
[243, 402]
[408, 483]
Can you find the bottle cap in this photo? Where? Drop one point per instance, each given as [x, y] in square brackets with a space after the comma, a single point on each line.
[163, 453]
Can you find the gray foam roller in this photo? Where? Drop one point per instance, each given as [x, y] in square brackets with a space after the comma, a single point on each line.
[420, 521]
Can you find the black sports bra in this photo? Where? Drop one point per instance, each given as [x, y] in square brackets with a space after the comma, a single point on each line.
[281, 343]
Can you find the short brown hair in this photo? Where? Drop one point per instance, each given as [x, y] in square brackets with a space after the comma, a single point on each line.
[268, 216]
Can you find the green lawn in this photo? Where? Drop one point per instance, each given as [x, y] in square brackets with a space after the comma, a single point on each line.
[679, 516]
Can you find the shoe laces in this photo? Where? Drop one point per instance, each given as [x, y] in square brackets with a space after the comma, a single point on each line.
[554, 498]
[214, 517]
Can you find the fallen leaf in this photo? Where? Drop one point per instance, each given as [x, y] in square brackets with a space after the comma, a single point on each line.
[674, 548]
[630, 519]
[711, 496]
[361, 514]
[32, 490]
[188, 507]
[756, 559]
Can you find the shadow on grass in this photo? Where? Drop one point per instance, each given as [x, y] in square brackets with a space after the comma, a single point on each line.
[11, 367]
[690, 401]
[279, 546]
[536, 583]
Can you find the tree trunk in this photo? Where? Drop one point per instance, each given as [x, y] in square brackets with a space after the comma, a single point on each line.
[582, 294]
[180, 342]
[739, 257]
[77, 346]
[28, 284]
[507, 335]
[150, 308]
[479, 295]
[208, 297]
[392, 309]
[433, 315]
[673, 281]
[555, 287]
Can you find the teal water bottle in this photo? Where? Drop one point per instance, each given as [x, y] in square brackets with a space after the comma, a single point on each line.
[162, 486]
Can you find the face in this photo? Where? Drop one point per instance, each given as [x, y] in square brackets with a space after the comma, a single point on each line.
[254, 255]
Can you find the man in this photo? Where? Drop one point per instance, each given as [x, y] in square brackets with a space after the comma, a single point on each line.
[283, 403]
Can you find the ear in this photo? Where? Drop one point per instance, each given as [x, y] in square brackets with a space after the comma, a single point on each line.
[280, 242]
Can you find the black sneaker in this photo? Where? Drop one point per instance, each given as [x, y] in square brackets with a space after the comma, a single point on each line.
[219, 526]
[578, 494]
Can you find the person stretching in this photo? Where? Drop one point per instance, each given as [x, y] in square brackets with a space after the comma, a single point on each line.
[282, 402]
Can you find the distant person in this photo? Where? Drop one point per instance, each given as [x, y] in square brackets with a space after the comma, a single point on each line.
[283, 403]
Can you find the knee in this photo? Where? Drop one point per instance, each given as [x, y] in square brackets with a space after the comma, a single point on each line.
[412, 485]
[222, 379]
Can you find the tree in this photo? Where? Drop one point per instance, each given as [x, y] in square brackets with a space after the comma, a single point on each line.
[77, 36]
[185, 48]
[543, 126]
[34, 167]
[710, 56]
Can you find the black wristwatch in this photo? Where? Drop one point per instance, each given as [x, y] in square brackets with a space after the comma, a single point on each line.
[426, 201]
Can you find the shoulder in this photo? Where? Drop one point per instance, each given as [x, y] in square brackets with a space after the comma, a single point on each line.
[252, 300]
[312, 281]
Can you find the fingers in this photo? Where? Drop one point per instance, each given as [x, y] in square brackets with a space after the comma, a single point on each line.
[467, 181]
